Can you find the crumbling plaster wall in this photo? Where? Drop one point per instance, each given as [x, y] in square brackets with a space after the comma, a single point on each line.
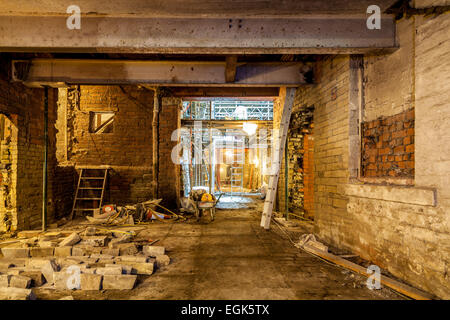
[408, 237]
[25, 108]
[403, 228]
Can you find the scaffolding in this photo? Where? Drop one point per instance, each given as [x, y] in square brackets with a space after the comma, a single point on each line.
[228, 110]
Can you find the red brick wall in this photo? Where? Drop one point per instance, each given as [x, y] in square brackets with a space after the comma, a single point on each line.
[388, 146]
[308, 175]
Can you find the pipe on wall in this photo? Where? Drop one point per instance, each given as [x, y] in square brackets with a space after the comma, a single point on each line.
[286, 178]
[155, 138]
[45, 167]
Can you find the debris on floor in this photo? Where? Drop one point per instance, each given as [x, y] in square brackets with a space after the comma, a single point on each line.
[309, 240]
[132, 214]
[286, 223]
[88, 259]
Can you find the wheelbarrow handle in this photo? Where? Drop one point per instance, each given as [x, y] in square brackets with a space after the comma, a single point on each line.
[217, 200]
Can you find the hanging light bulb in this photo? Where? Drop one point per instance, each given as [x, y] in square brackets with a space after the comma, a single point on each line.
[250, 128]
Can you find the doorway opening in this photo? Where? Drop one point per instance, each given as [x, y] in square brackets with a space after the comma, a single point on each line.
[226, 146]
[8, 173]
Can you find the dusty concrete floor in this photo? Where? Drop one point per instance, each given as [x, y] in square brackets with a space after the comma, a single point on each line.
[234, 258]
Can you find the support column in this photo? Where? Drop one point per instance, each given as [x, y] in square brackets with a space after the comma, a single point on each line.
[168, 171]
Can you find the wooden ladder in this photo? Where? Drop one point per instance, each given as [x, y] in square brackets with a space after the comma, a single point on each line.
[277, 157]
[92, 184]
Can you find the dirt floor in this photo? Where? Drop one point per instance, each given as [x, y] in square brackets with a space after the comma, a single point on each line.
[234, 258]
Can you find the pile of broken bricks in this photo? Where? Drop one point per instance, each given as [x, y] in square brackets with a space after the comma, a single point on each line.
[83, 261]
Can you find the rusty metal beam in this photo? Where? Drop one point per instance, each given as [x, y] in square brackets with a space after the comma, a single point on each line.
[167, 73]
[310, 35]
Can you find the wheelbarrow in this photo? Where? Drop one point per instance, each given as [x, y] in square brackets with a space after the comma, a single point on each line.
[206, 205]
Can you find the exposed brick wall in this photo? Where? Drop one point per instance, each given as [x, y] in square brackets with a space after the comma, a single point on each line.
[128, 149]
[169, 178]
[25, 108]
[299, 165]
[331, 144]
[432, 148]
[388, 146]
[401, 235]
[308, 177]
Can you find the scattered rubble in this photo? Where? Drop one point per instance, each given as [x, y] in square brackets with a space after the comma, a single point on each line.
[89, 260]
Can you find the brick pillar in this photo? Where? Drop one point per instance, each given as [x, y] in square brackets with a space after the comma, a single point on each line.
[308, 178]
[168, 172]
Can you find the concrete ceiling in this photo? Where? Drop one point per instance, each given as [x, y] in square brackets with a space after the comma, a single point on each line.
[191, 8]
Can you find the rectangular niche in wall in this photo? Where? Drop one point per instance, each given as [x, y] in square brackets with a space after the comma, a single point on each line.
[101, 122]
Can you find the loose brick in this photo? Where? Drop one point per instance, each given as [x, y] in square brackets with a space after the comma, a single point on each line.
[14, 253]
[20, 282]
[41, 252]
[162, 261]
[94, 241]
[153, 251]
[140, 259]
[119, 282]
[63, 251]
[127, 249]
[4, 280]
[143, 268]
[61, 281]
[78, 251]
[111, 252]
[91, 281]
[125, 268]
[47, 266]
[16, 294]
[71, 240]
[115, 270]
[37, 278]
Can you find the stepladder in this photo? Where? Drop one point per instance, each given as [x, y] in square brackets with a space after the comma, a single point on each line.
[237, 168]
[279, 143]
[90, 189]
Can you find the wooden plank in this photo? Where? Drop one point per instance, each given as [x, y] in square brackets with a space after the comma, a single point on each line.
[77, 167]
[230, 68]
[391, 283]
